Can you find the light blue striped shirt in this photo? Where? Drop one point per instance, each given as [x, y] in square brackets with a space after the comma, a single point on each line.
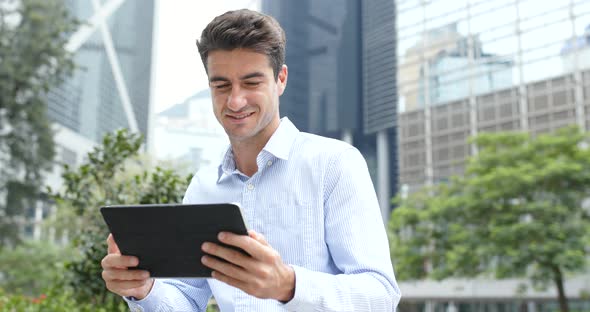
[313, 200]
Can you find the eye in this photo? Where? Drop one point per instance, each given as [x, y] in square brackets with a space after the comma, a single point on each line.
[252, 83]
[221, 86]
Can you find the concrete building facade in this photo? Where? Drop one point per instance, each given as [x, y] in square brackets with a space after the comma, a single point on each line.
[474, 66]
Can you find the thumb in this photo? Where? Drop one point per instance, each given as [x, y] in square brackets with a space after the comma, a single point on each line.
[112, 246]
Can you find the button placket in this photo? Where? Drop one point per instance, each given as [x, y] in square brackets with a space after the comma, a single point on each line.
[249, 202]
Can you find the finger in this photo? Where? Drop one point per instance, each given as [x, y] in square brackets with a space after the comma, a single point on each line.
[226, 268]
[259, 237]
[137, 289]
[118, 286]
[112, 246]
[125, 275]
[247, 243]
[230, 281]
[230, 255]
[119, 261]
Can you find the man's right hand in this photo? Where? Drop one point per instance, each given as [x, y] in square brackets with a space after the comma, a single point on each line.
[117, 276]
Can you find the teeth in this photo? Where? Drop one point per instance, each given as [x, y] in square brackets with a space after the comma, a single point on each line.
[242, 116]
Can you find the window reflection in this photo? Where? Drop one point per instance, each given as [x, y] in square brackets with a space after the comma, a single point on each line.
[451, 50]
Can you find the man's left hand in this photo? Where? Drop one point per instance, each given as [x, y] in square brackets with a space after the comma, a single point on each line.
[263, 275]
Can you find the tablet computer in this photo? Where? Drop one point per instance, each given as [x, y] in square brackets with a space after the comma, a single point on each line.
[167, 238]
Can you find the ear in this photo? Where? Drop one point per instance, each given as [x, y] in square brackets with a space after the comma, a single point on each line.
[282, 80]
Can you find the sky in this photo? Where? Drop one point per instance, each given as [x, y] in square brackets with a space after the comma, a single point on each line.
[179, 72]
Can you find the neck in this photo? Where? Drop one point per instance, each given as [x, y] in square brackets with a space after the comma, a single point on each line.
[246, 151]
[245, 154]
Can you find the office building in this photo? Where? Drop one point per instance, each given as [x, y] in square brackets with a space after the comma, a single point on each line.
[475, 66]
[341, 59]
[114, 69]
[109, 90]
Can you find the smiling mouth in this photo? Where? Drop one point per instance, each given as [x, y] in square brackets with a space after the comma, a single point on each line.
[241, 116]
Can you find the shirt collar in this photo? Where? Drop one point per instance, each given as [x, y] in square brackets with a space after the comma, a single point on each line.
[228, 165]
[281, 141]
[279, 145]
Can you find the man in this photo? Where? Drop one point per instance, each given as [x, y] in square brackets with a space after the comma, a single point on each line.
[317, 241]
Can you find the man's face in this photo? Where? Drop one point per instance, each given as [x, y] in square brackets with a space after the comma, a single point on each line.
[245, 93]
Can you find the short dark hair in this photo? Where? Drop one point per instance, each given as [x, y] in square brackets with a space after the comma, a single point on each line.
[245, 29]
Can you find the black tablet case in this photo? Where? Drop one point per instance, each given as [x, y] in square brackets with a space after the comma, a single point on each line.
[167, 238]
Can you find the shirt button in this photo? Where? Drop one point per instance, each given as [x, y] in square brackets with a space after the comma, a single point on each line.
[269, 163]
[250, 186]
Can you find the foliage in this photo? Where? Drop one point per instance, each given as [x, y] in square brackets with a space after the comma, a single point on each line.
[56, 300]
[105, 179]
[211, 307]
[418, 233]
[33, 60]
[33, 266]
[517, 212]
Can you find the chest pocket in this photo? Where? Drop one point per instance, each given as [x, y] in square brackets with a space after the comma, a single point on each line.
[288, 230]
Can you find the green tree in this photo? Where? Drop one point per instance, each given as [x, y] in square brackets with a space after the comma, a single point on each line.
[517, 212]
[106, 179]
[33, 59]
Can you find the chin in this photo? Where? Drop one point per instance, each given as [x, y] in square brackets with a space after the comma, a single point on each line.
[240, 138]
[241, 134]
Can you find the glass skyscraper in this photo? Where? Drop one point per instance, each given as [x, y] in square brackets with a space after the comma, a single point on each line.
[90, 103]
[341, 59]
[471, 66]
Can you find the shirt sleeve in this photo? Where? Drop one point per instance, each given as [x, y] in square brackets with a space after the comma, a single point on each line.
[174, 295]
[356, 238]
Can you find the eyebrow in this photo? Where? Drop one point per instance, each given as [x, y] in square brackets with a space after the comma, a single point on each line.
[247, 76]
[252, 75]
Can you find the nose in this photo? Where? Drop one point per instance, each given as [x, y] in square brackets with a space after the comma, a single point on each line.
[236, 99]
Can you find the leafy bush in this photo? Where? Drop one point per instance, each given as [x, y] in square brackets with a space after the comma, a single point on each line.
[56, 300]
[109, 176]
[33, 266]
[41, 276]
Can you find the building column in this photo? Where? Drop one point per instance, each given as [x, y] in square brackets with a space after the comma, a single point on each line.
[151, 124]
[383, 178]
[347, 136]
[531, 306]
[522, 90]
[452, 307]
[38, 220]
[65, 237]
[51, 229]
[578, 87]
[429, 166]
[429, 306]
[473, 121]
